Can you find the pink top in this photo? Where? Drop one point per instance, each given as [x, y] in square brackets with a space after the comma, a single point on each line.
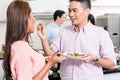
[92, 39]
[25, 62]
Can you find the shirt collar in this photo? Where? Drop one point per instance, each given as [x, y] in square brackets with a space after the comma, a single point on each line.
[85, 29]
[57, 24]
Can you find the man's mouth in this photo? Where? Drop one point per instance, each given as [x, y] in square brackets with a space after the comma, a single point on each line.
[73, 19]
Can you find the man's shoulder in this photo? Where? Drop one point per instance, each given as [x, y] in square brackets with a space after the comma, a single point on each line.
[68, 26]
[50, 25]
[99, 29]
[67, 29]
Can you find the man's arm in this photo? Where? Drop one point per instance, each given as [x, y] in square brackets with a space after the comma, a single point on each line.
[106, 63]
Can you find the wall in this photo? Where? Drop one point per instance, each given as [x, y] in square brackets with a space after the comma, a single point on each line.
[36, 5]
[3, 7]
[99, 6]
[100, 10]
[2, 33]
[106, 2]
[48, 5]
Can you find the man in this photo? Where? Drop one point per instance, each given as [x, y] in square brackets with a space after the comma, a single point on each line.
[83, 37]
[53, 28]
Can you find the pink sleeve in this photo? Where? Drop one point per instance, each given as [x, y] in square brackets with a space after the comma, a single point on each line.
[22, 63]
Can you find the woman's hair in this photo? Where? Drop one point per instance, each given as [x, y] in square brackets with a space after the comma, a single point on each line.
[91, 18]
[17, 23]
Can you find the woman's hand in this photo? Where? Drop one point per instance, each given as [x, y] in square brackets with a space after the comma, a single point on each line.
[41, 31]
[55, 58]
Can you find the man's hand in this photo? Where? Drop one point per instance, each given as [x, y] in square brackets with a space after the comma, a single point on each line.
[88, 57]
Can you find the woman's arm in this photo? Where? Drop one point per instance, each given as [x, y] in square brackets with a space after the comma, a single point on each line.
[55, 58]
[44, 40]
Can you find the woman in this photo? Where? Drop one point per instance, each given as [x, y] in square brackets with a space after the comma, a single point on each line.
[21, 62]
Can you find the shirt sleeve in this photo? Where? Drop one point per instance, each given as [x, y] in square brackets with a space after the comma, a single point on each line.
[22, 63]
[49, 33]
[56, 43]
[107, 48]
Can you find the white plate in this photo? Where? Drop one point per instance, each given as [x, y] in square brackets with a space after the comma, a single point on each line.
[71, 57]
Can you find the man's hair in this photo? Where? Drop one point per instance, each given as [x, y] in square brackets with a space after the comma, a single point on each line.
[87, 3]
[58, 13]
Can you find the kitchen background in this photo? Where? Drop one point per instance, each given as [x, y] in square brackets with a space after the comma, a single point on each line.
[106, 12]
[43, 12]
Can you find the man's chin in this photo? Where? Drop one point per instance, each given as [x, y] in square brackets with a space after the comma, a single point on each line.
[73, 24]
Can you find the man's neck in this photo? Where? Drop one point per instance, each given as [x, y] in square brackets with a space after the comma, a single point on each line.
[79, 26]
[57, 22]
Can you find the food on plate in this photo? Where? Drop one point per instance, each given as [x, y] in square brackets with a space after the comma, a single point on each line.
[75, 54]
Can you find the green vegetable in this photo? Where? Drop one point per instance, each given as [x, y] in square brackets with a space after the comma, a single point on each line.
[77, 54]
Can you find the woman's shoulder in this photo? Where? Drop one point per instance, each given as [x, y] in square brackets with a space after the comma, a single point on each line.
[19, 44]
[20, 48]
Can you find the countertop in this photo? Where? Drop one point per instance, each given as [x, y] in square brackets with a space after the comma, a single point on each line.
[112, 76]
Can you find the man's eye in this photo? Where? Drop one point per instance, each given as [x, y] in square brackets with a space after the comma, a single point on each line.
[69, 10]
[74, 10]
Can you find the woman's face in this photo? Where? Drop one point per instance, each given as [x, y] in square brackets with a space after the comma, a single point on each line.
[31, 23]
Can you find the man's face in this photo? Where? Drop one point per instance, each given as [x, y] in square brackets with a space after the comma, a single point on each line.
[62, 18]
[77, 13]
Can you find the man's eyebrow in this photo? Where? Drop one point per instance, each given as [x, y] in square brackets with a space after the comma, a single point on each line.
[73, 9]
